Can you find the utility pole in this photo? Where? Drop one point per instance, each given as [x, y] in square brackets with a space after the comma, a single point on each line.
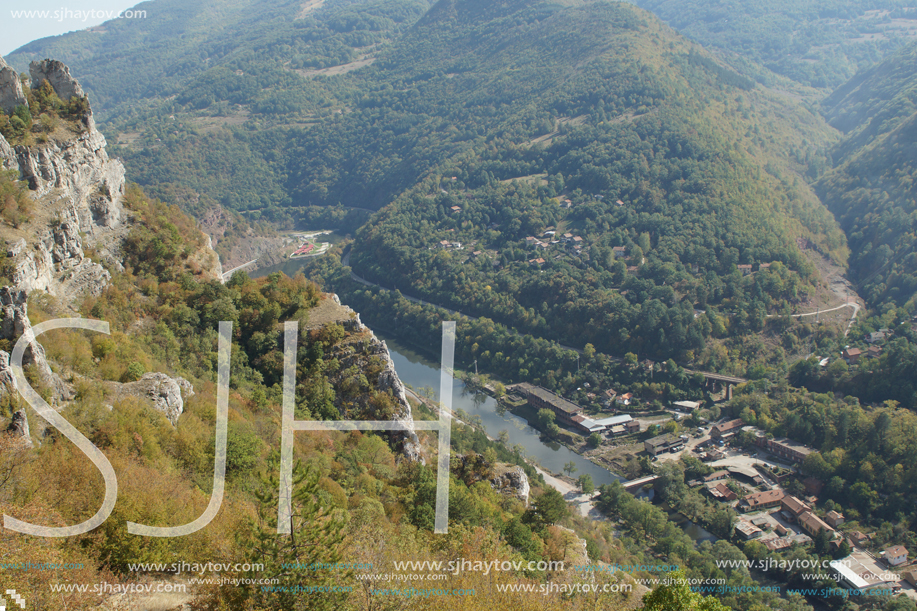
[476, 367]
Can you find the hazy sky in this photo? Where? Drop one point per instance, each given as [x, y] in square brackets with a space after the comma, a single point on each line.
[59, 17]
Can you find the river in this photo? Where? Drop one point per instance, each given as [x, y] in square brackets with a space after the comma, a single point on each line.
[419, 372]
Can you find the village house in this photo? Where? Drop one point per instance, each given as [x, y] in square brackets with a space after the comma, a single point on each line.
[851, 573]
[812, 524]
[661, 444]
[878, 336]
[791, 508]
[456, 208]
[851, 355]
[624, 399]
[747, 530]
[620, 425]
[895, 555]
[721, 492]
[727, 429]
[834, 518]
[745, 269]
[784, 448]
[858, 538]
[781, 543]
[540, 398]
[610, 396]
[715, 476]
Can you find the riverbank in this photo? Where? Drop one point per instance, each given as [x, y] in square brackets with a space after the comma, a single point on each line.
[584, 504]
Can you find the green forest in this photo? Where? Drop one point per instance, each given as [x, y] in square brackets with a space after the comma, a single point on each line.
[818, 43]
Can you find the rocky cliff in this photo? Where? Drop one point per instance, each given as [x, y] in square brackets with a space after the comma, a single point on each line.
[166, 394]
[77, 191]
[362, 349]
[14, 324]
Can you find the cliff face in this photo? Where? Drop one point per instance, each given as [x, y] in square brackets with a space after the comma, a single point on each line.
[77, 191]
[11, 94]
[368, 353]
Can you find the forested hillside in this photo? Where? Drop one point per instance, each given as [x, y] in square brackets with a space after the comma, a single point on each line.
[819, 43]
[624, 112]
[872, 188]
[202, 99]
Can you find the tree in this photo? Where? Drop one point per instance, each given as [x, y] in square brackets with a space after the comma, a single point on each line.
[679, 597]
[589, 351]
[594, 440]
[544, 417]
[316, 536]
[821, 541]
[585, 483]
[547, 508]
[570, 468]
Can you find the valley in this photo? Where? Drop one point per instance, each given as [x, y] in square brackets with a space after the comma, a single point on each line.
[676, 241]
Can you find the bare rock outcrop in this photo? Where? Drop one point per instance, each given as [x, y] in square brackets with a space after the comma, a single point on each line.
[77, 189]
[58, 75]
[511, 480]
[164, 392]
[11, 94]
[7, 381]
[19, 428]
[15, 325]
[8, 159]
[388, 381]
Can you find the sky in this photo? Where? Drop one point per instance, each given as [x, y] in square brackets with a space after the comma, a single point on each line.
[22, 21]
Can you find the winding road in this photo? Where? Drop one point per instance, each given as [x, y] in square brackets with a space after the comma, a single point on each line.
[856, 310]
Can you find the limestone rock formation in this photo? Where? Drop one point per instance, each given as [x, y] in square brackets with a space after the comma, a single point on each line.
[15, 325]
[164, 392]
[8, 159]
[19, 428]
[77, 188]
[7, 381]
[511, 480]
[58, 74]
[11, 94]
[388, 381]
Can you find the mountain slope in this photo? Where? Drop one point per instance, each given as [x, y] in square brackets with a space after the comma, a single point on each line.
[872, 188]
[575, 99]
[819, 43]
[591, 103]
[131, 64]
